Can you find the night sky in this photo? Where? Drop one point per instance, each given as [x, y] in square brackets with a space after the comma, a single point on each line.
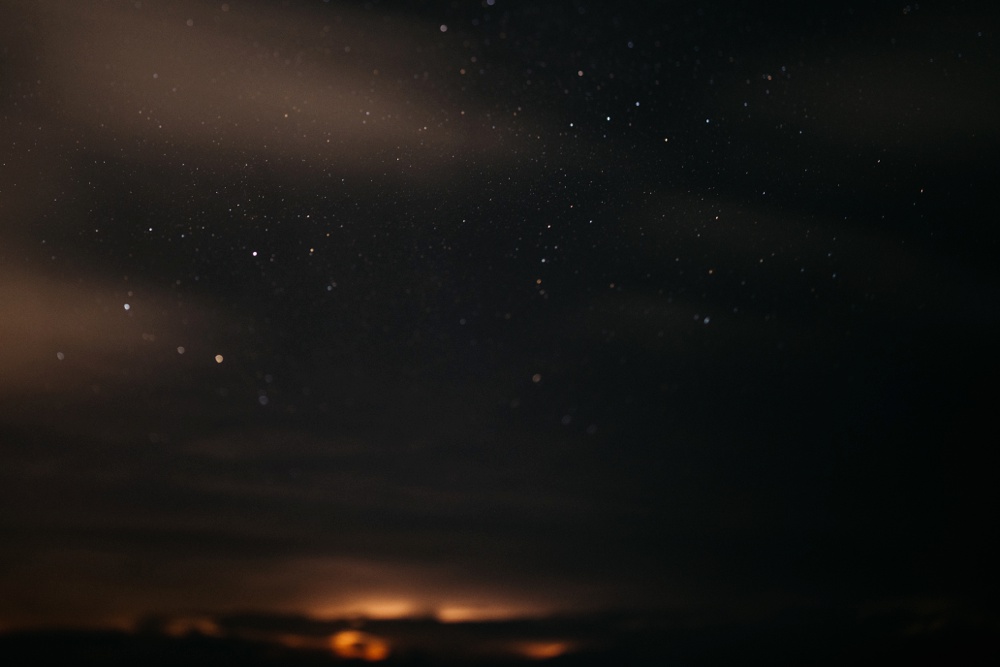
[425, 312]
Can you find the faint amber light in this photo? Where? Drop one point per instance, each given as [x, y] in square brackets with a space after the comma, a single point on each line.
[460, 614]
[359, 645]
[543, 650]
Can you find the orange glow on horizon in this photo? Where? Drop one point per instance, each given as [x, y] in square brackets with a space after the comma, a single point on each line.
[356, 644]
[468, 613]
[372, 608]
[414, 604]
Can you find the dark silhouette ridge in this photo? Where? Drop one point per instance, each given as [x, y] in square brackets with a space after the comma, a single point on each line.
[796, 637]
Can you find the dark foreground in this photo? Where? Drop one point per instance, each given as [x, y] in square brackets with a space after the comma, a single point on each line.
[823, 638]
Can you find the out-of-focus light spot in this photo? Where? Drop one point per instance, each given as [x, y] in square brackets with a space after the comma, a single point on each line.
[60, 356]
[444, 28]
[218, 358]
[536, 378]
[180, 349]
[542, 650]
[262, 399]
[354, 644]
[128, 307]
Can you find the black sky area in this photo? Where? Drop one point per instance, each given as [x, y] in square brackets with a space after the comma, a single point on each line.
[675, 319]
